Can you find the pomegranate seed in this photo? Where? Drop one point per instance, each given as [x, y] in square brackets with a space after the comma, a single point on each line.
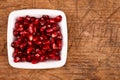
[38, 42]
[58, 18]
[48, 26]
[45, 16]
[20, 19]
[46, 42]
[49, 30]
[24, 59]
[30, 37]
[17, 25]
[54, 46]
[52, 20]
[30, 28]
[36, 21]
[16, 59]
[35, 39]
[29, 58]
[20, 29]
[29, 50]
[41, 38]
[24, 33]
[34, 61]
[46, 47]
[42, 58]
[30, 43]
[54, 34]
[32, 19]
[28, 18]
[23, 45]
[39, 51]
[37, 56]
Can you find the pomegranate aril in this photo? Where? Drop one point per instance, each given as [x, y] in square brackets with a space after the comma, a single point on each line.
[24, 59]
[17, 24]
[54, 46]
[36, 22]
[29, 43]
[16, 59]
[57, 58]
[23, 45]
[30, 37]
[46, 47]
[58, 18]
[42, 28]
[45, 16]
[38, 43]
[52, 21]
[30, 28]
[42, 58]
[32, 19]
[28, 18]
[20, 19]
[38, 51]
[54, 34]
[15, 54]
[42, 22]
[52, 56]
[34, 61]
[24, 33]
[29, 58]
[20, 29]
[46, 42]
[29, 50]
[49, 30]
[37, 56]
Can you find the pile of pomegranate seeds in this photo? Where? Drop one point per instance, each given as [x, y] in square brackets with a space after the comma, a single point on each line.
[37, 39]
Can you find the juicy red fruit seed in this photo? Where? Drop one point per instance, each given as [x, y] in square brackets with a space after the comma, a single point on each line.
[58, 18]
[37, 39]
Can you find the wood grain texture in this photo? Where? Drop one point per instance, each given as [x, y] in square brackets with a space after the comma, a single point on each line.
[94, 40]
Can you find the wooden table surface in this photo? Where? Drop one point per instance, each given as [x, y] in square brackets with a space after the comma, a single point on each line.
[93, 45]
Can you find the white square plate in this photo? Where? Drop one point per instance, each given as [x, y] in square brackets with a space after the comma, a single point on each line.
[36, 13]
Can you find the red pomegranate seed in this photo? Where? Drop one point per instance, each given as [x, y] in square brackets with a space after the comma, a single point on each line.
[42, 28]
[24, 59]
[29, 58]
[30, 37]
[30, 43]
[32, 19]
[58, 18]
[36, 21]
[16, 59]
[30, 28]
[34, 61]
[28, 18]
[46, 42]
[37, 56]
[39, 51]
[45, 16]
[54, 46]
[20, 19]
[24, 33]
[54, 34]
[29, 50]
[49, 30]
[38, 43]
[23, 45]
[42, 58]
[52, 20]
[20, 29]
